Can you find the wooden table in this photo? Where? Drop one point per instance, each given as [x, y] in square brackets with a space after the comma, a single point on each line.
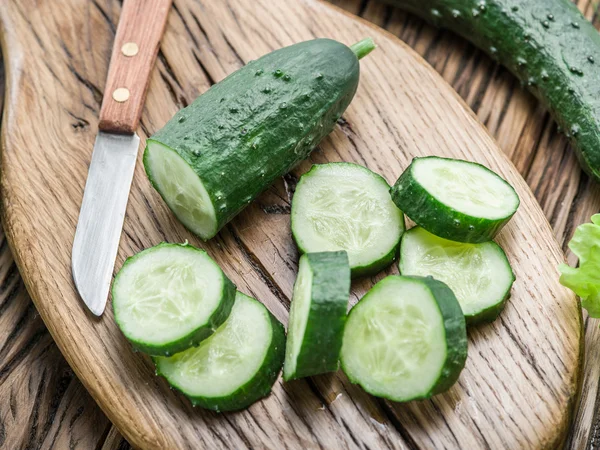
[43, 405]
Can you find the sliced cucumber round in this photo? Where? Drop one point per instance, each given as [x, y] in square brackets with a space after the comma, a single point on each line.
[170, 297]
[317, 315]
[344, 206]
[458, 200]
[405, 340]
[479, 274]
[234, 367]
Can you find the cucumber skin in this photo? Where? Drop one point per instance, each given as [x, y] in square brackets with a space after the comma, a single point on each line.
[196, 336]
[424, 210]
[456, 343]
[513, 32]
[330, 291]
[245, 137]
[485, 315]
[456, 340]
[258, 387]
[360, 271]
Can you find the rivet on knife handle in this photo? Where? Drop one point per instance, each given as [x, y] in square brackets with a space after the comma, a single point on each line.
[136, 44]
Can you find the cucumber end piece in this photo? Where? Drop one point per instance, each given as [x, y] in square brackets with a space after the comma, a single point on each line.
[181, 188]
[363, 47]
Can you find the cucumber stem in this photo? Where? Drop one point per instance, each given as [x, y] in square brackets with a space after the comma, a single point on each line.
[363, 48]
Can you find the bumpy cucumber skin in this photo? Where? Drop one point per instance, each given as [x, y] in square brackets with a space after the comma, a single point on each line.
[330, 290]
[456, 338]
[486, 315]
[438, 218]
[258, 387]
[547, 44]
[359, 271]
[260, 121]
[199, 334]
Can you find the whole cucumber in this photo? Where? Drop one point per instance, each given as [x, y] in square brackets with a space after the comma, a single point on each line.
[213, 157]
[547, 44]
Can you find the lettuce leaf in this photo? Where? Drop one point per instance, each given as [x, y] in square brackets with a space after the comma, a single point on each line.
[585, 280]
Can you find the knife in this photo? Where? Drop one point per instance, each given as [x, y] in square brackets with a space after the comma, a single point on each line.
[106, 192]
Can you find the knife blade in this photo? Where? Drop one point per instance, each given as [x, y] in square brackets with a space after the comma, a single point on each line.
[111, 170]
[101, 216]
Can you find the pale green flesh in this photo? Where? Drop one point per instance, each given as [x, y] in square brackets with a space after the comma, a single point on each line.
[466, 187]
[166, 293]
[299, 311]
[478, 274]
[182, 190]
[394, 343]
[346, 207]
[228, 359]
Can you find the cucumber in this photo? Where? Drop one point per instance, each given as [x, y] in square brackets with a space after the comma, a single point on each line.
[344, 206]
[405, 340]
[218, 154]
[317, 315]
[457, 200]
[236, 366]
[547, 44]
[170, 297]
[479, 274]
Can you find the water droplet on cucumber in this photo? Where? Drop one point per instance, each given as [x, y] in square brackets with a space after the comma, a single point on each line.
[223, 207]
[575, 130]
[319, 76]
[456, 223]
[455, 13]
[286, 78]
[550, 17]
[575, 25]
[278, 73]
[591, 59]
[259, 72]
[471, 228]
[181, 119]
[244, 131]
[544, 75]
[436, 13]
[233, 109]
[545, 24]
[266, 89]
[283, 105]
[515, 8]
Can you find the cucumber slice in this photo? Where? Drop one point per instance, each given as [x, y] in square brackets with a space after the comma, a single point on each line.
[406, 339]
[234, 367]
[478, 274]
[317, 315]
[457, 200]
[344, 206]
[170, 297]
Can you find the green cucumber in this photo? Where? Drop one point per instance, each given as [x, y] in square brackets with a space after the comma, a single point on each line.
[547, 44]
[218, 154]
[236, 366]
[344, 206]
[317, 315]
[479, 274]
[170, 297]
[405, 340]
[457, 200]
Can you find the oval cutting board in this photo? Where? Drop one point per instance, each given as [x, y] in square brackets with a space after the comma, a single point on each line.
[522, 374]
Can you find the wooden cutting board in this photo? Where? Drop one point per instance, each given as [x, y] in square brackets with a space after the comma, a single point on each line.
[522, 375]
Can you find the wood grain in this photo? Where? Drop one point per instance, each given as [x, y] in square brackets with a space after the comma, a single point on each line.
[522, 134]
[136, 44]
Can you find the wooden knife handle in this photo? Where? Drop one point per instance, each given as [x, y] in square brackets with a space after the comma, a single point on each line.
[135, 48]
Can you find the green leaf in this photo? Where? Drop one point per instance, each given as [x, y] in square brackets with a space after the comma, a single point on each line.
[585, 280]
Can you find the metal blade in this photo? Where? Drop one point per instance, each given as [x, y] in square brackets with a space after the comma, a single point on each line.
[101, 217]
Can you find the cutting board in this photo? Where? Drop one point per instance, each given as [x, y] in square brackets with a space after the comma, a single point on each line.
[522, 375]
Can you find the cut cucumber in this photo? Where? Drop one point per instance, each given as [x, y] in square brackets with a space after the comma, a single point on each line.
[219, 153]
[478, 274]
[170, 297]
[457, 200]
[317, 315]
[344, 206]
[235, 366]
[405, 340]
